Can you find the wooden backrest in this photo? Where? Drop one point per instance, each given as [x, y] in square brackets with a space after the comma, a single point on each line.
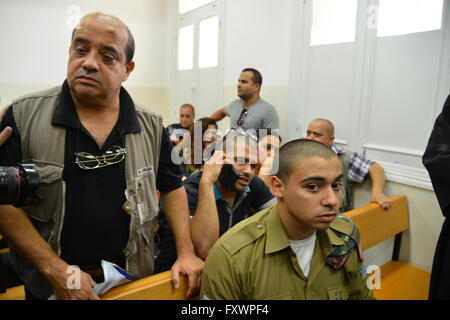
[376, 224]
[156, 287]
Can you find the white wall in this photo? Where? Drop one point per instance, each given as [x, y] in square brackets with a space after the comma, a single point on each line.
[35, 39]
[383, 95]
[258, 35]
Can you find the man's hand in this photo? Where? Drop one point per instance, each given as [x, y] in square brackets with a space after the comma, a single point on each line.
[212, 167]
[85, 292]
[191, 266]
[6, 133]
[382, 200]
[174, 139]
[67, 285]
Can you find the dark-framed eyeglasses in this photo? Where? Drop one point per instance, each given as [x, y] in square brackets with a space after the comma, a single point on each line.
[87, 161]
[242, 117]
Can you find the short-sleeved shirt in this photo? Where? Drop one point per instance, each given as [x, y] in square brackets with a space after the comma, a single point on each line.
[257, 197]
[95, 225]
[358, 168]
[254, 261]
[260, 115]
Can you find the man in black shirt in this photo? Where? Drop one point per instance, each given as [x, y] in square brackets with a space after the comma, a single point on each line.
[436, 161]
[101, 212]
[178, 130]
[216, 205]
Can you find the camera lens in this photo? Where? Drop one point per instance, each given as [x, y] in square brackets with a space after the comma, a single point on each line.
[18, 184]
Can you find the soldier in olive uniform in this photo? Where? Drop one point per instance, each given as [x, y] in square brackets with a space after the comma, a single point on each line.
[298, 248]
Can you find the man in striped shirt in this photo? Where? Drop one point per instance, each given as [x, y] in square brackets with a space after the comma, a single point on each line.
[354, 166]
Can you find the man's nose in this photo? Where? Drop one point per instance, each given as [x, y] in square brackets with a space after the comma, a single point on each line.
[90, 62]
[331, 198]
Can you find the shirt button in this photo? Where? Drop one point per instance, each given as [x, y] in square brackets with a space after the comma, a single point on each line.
[126, 208]
[259, 226]
[126, 253]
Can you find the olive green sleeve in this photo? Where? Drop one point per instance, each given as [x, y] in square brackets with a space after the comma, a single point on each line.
[221, 279]
[357, 277]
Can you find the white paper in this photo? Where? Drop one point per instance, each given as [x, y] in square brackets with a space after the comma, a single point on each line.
[114, 276]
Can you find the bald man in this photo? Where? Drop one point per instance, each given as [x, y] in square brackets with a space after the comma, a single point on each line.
[355, 167]
[101, 158]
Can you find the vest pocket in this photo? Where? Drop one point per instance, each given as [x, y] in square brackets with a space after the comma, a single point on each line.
[141, 195]
[47, 213]
[337, 293]
[49, 191]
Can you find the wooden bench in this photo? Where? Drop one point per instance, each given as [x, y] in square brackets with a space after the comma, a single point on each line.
[156, 287]
[399, 280]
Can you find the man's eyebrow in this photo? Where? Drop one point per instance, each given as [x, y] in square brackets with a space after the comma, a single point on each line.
[321, 179]
[81, 40]
[104, 47]
[109, 48]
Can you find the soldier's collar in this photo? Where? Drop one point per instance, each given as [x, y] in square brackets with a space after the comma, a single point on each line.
[277, 238]
[333, 238]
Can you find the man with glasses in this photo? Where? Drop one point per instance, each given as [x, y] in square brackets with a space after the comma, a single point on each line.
[223, 194]
[249, 111]
[101, 159]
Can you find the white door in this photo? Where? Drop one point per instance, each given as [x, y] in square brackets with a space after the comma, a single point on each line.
[198, 66]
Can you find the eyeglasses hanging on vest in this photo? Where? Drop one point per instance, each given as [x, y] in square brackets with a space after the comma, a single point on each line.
[87, 161]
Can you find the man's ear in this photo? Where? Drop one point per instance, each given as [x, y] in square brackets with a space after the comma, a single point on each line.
[129, 67]
[277, 187]
[331, 140]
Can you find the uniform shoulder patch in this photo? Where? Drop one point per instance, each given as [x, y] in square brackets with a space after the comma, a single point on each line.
[242, 237]
[243, 233]
[347, 231]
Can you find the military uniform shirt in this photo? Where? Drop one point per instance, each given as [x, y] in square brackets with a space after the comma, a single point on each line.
[254, 260]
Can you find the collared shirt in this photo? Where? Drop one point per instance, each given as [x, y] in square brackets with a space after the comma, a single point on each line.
[224, 205]
[254, 260]
[95, 226]
[257, 197]
[359, 166]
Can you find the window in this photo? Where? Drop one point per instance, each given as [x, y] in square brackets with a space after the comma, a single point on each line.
[398, 17]
[186, 47]
[209, 42]
[334, 21]
[189, 5]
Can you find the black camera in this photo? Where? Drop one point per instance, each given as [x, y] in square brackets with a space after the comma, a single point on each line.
[18, 185]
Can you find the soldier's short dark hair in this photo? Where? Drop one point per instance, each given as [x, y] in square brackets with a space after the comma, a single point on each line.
[295, 151]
